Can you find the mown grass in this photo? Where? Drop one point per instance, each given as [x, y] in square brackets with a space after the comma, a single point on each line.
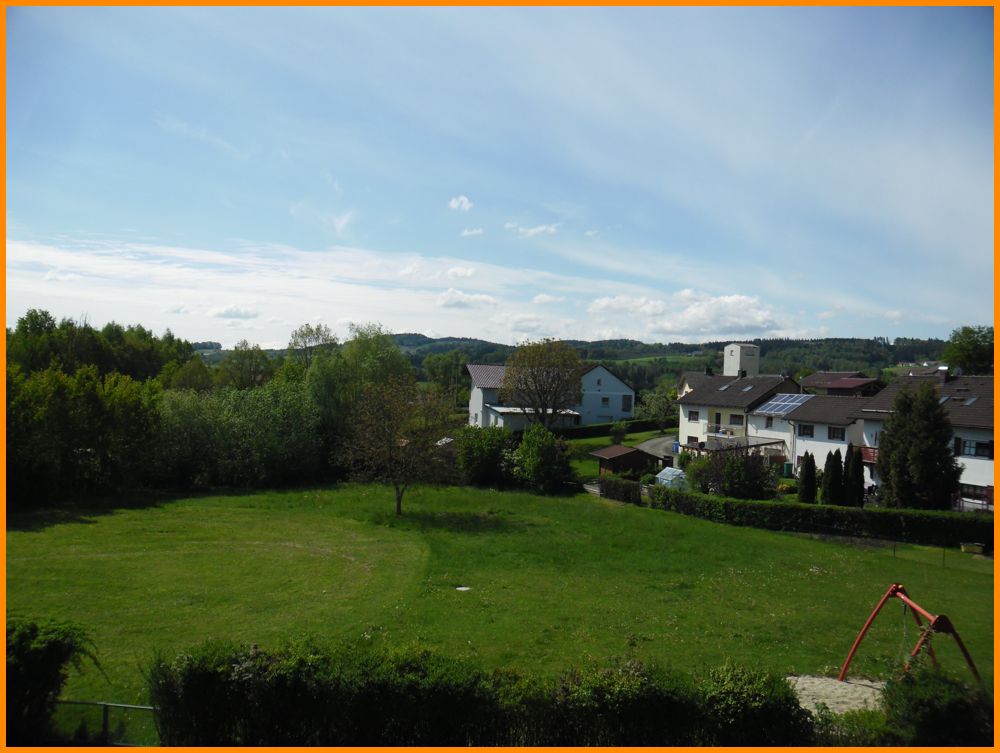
[554, 582]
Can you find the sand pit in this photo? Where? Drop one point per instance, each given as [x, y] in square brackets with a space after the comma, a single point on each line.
[838, 696]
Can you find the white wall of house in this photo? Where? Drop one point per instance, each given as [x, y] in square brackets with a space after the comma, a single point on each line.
[604, 398]
[977, 470]
[699, 421]
[737, 357]
[779, 430]
[823, 441]
[478, 400]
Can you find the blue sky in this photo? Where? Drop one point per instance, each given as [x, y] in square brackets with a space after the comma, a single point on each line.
[663, 174]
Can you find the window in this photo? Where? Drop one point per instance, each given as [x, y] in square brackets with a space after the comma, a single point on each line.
[598, 382]
[693, 415]
[692, 440]
[626, 403]
[736, 419]
[769, 422]
[975, 449]
[748, 388]
[605, 402]
[970, 491]
[835, 432]
[805, 430]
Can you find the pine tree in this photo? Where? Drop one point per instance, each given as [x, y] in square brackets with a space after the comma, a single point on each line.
[915, 465]
[854, 478]
[833, 479]
[807, 479]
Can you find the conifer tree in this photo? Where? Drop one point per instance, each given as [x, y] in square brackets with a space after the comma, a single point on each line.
[854, 478]
[915, 465]
[833, 479]
[807, 479]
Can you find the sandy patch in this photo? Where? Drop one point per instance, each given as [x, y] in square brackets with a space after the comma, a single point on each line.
[838, 696]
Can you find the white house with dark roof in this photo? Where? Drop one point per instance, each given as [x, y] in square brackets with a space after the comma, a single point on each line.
[604, 399]
[817, 424]
[714, 407]
[968, 401]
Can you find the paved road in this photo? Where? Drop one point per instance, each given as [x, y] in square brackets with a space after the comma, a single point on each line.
[659, 446]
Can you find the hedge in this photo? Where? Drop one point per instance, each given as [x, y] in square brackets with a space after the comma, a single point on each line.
[621, 489]
[302, 694]
[931, 527]
[604, 430]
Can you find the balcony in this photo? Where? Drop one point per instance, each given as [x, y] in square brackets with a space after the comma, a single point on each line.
[723, 430]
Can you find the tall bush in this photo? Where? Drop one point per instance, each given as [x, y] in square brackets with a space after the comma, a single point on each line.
[541, 461]
[928, 707]
[483, 456]
[38, 658]
[833, 479]
[807, 479]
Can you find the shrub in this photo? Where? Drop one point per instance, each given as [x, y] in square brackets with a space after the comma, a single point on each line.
[619, 429]
[622, 489]
[856, 729]
[750, 707]
[38, 655]
[482, 456]
[542, 461]
[737, 473]
[928, 707]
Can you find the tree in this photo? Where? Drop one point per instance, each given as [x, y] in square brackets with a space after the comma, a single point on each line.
[915, 464]
[445, 370]
[246, 366]
[971, 349]
[833, 479]
[544, 378]
[541, 461]
[738, 473]
[658, 405]
[395, 430]
[854, 478]
[193, 375]
[307, 339]
[807, 479]
[619, 429]
[483, 455]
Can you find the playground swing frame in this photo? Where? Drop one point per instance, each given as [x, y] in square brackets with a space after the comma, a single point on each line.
[935, 624]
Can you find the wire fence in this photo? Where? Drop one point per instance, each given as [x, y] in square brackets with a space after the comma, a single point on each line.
[105, 723]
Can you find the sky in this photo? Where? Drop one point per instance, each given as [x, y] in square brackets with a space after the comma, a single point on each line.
[510, 174]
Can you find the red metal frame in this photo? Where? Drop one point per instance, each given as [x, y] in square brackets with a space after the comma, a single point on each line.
[935, 624]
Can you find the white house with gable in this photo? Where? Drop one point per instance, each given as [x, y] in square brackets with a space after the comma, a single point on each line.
[604, 398]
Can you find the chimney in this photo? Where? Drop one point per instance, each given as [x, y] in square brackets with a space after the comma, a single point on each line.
[743, 373]
[708, 371]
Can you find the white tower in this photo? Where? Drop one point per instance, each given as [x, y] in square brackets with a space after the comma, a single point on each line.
[741, 359]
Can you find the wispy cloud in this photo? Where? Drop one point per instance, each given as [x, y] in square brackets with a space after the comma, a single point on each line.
[456, 299]
[338, 222]
[531, 232]
[700, 315]
[543, 299]
[469, 231]
[627, 304]
[457, 273]
[460, 203]
[233, 312]
[178, 127]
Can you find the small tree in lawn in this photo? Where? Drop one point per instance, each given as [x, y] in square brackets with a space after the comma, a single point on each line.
[807, 479]
[618, 431]
[395, 430]
[833, 479]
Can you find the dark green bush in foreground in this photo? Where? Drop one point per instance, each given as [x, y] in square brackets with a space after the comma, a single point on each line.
[928, 707]
[38, 656]
[224, 694]
[934, 528]
[622, 489]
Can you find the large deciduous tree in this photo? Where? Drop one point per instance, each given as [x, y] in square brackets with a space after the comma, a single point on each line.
[915, 463]
[544, 378]
[971, 349]
[659, 405]
[307, 339]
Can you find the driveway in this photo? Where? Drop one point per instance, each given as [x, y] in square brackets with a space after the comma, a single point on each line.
[661, 447]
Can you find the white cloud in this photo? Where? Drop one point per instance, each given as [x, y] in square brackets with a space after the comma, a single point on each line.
[894, 316]
[720, 315]
[233, 312]
[338, 222]
[531, 232]
[180, 309]
[60, 275]
[472, 231]
[457, 273]
[456, 299]
[544, 298]
[590, 233]
[460, 203]
[627, 304]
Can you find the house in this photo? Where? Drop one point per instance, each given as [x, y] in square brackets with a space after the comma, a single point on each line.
[620, 459]
[839, 383]
[714, 408]
[817, 424]
[604, 398]
[968, 401]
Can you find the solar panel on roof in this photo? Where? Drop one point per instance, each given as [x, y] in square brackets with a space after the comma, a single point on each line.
[779, 405]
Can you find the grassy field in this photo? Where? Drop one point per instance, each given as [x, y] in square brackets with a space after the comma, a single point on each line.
[553, 582]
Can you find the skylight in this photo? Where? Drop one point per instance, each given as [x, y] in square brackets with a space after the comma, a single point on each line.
[970, 400]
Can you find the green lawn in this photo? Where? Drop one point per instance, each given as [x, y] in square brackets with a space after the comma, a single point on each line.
[554, 582]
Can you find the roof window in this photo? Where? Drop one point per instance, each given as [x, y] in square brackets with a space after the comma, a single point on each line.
[748, 388]
[970, 400]
[943, 400]
[724, 387]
